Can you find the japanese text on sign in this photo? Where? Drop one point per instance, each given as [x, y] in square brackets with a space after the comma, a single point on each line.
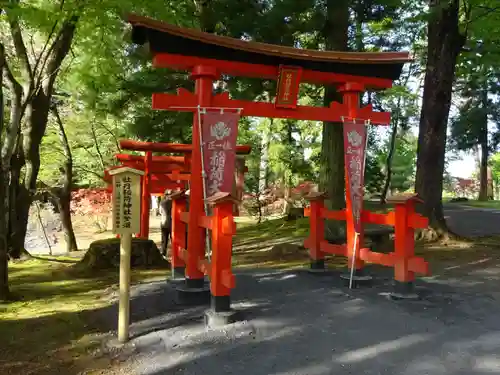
[117, 191]
[219, 133]
[126, 203]
[288, 87]
[354, 153]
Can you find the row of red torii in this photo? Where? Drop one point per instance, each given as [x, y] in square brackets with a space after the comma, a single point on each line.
[207, 57]
[167, 172]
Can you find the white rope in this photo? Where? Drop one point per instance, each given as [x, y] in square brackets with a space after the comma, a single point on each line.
[356, 234]
[208, 249]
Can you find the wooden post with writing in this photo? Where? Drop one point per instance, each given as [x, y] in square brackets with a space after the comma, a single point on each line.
[126, 221]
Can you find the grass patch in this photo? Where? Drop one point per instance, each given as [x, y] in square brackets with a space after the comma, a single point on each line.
[51, 327]
[271, 229]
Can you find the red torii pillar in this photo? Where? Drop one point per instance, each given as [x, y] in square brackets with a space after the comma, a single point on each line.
[146, 196]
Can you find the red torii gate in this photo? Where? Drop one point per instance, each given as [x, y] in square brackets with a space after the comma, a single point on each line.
[166, 172]
[162, 172]
[208, 57]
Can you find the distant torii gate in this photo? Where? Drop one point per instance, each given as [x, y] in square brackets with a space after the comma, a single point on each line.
[208, 57]
[164, 172]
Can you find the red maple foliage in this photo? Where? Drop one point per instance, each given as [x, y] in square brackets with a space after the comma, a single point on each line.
[92, 203]
[303, 188]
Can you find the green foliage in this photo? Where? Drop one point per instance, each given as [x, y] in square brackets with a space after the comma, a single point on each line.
[93, 142]
[404, 164]
[404, 160]
[110, 82]
[374, 177]
[494, 164]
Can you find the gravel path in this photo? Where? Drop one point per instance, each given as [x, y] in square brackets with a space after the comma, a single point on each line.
[304, 324]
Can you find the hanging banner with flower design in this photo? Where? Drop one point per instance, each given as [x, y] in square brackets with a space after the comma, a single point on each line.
[218, 139]
[355, 137]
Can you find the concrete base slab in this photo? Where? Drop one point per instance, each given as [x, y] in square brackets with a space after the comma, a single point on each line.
[357, 280]
[404, 291]
[319, 271]
[404, 296]
[220, 319]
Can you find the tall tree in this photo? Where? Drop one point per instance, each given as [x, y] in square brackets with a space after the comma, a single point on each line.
[335, 34]
[31, 95]
[4, 271]
[37, 37]
[445, 41]
[477, 90]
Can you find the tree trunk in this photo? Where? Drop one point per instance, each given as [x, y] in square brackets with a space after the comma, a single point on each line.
[64, 193]
[4, 178]
[331, 178]
[491, 188]
[287, 178]
[388, 163]
[483, 171]
[33, 131]
[444, 44]
[206, 15]
[64, 202]
[15, 196]
[4, 258]
[483, 142]
[264, 157]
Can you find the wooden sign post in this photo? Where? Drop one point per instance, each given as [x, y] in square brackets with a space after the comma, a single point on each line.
[126, 221]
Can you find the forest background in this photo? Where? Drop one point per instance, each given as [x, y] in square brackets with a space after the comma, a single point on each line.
[73, 85]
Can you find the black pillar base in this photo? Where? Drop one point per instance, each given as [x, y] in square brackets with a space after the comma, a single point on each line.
[220, 303]
[194, 292]
[220, 313]
[317, 267]
[404, 291]
[360, 278]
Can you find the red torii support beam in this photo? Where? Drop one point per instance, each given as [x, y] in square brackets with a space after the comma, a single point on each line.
[155, 168]
[159, 164]
[170, 160]
[173, 148]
